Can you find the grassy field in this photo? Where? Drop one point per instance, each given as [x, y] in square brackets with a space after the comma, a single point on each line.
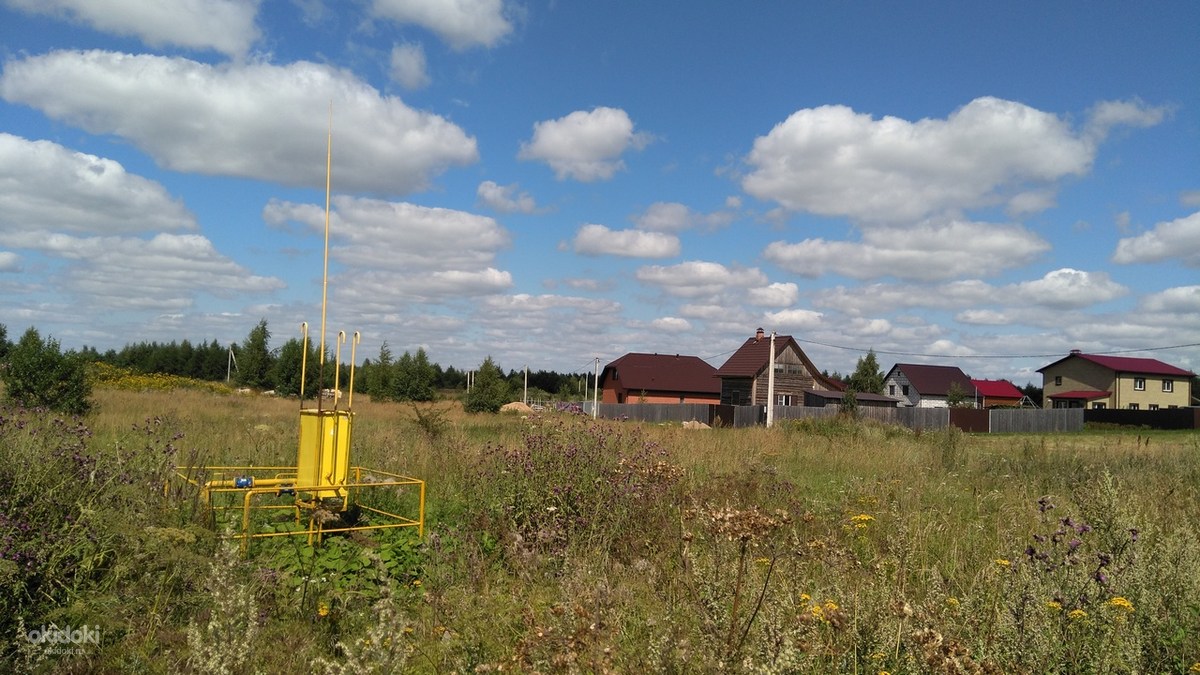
[560, 544]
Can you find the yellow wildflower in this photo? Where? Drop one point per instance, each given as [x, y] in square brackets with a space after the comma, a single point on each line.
[1121, 604]
[762, 561]
[830, 606]
[1195, 668]
[416, 582]
[1003, 562]
[861, 520]
[952, 601]
[1076, 614]
[1054, 605]
[322, 609]
[805, 597]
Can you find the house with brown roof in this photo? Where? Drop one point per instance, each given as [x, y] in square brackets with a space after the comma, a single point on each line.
[918, 385]
[744, 376]
[659, 378]
[1081, 380]
[998, 393]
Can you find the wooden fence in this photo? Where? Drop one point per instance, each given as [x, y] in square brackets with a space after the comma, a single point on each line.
[1020, 420]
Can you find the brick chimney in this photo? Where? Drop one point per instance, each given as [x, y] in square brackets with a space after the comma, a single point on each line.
[758, 335]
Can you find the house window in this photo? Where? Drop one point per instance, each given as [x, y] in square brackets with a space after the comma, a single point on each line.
[1139, 384]
[1152, 406]
[783, 399]
[1058, 380]
[1168, 386]
[891, 390]
[904, 389]
[1099, 405]
[1134, 406]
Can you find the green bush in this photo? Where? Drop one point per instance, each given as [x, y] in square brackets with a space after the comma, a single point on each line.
[38, 374]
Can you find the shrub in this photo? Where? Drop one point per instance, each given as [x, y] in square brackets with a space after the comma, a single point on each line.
[38, 374]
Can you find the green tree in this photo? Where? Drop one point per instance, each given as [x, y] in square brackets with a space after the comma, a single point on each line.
[285, 372]
[37, 373]
[489, 391]
[378, 378]
[5, 345]
[956, 396]
[254, 358]
[866, 377]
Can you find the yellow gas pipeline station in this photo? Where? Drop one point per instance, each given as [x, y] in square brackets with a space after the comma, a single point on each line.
[324, 490]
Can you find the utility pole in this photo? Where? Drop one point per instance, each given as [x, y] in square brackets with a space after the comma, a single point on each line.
[771, 384]
[596, 391]
[525, 397]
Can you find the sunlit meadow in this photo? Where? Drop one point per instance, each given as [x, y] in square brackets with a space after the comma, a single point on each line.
[556, 543]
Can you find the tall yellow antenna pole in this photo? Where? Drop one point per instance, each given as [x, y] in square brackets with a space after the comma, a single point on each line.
[325, 271]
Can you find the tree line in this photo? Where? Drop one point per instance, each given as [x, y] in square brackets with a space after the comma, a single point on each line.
[43, 367]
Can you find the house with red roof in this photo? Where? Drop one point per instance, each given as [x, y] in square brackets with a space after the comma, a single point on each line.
[918, 385]
[745, 376]
[998, 393]
[659, 378]
[1081, 380]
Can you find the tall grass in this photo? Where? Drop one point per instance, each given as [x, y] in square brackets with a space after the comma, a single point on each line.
[560, 544]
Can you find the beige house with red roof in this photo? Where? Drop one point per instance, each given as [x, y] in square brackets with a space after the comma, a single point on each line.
[1098, 381]
[744, 376]
[659, 378]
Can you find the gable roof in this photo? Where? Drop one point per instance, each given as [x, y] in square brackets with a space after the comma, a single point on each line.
[662, 372]
[933, 380]
[755, 353]
[997, 388]
[1126, 364]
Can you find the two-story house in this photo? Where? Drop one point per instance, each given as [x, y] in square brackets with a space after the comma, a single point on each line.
[918, 385]
[745, 375]
[659, 378]
[1081, 380]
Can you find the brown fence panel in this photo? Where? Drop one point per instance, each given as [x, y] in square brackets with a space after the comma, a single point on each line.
[971, 420]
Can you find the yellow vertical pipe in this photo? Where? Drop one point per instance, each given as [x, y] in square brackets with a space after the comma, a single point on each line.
[353, 360]
[325, 271]
[303, 357]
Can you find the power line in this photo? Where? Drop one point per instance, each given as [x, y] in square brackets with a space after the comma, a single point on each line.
[989, 356]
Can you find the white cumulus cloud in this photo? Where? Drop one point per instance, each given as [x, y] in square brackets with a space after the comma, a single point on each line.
[408, 66]
[461, 23]
[794, 318]
[600, 240]
[834, 161]
[699, 278]
[45, 187]
[671, 324]
[398, 236]
[1069, 288]
[584, 145]
[505, 198]
[249, 120]
[1176, 239]
[927, 252]
[774, 295]
[225, 26]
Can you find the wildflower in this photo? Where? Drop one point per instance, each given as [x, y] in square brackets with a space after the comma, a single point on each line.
[762, 561]
[1195, 668]
[323, 609]
[416, 582]
[860, 521]
[1077, 614]
[1133, 534]
[1121, 603]
[1054, 605]
[1003, 562]
[952, 601]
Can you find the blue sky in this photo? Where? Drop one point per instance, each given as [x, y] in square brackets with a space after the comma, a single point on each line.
[549, 183]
